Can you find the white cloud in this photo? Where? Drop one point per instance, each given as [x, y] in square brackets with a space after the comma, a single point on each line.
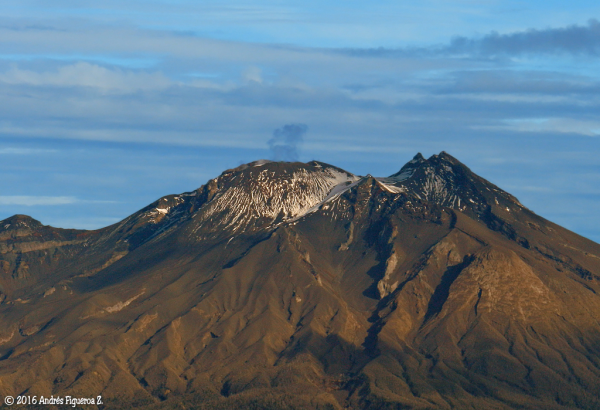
[561, 125]
[37, 200]
[253, 75]
[25, 151]
[83, 74]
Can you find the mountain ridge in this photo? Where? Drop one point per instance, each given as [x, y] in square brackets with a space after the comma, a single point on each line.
[291, 285]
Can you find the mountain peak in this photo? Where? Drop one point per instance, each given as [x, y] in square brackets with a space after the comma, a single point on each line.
[262, 194]
[419, 161]
[443, 154]
[444, 157]
[20, 222]
[444, 180]
[269, 192]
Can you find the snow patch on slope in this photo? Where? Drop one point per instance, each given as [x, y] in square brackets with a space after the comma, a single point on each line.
[335, 193]
[435, 188]
[274, 196]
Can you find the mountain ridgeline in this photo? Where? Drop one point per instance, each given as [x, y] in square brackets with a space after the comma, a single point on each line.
[300, 285]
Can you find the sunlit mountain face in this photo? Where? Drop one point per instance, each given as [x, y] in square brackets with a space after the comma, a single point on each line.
[301, 285]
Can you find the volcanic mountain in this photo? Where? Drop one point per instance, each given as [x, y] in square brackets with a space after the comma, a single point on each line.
[300, 285]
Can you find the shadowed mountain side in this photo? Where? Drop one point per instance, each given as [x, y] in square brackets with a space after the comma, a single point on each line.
[363, 295]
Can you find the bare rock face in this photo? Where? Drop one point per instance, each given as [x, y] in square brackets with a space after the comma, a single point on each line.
[291, 285]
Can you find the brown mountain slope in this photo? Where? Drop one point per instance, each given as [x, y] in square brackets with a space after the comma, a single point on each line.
[283, 285]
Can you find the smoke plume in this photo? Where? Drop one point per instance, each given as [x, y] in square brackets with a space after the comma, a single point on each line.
[285, 142]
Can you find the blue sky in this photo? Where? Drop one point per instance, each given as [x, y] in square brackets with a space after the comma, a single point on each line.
[107, 106]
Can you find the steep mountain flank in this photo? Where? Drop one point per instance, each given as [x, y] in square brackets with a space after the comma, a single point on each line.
[290, 285]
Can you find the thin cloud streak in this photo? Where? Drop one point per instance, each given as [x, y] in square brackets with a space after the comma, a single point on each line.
[47, 200]
[83, 74]
[26, 151]
[37, 200]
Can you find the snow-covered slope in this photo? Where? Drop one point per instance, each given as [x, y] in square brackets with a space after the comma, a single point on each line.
[269, 193]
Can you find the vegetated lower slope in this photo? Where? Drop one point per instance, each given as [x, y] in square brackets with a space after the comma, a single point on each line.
[289, 285]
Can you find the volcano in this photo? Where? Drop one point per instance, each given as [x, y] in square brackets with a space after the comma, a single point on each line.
[299, 285]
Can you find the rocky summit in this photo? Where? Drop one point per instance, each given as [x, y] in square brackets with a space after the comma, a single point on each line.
[302, 286]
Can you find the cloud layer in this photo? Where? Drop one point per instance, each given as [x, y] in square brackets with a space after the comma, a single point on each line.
[573, 39]
[97, 87]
